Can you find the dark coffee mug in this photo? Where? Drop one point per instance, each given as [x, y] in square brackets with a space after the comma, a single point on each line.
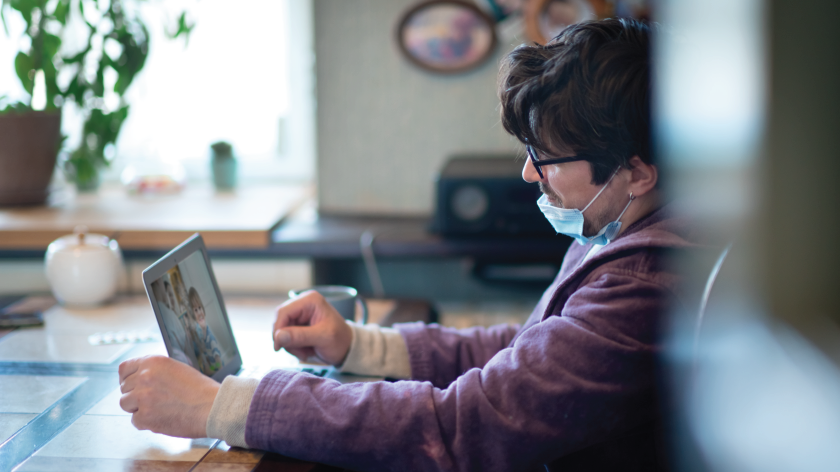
[342, 298]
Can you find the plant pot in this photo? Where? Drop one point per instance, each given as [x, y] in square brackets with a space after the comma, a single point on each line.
[224, 172]
[30, 144]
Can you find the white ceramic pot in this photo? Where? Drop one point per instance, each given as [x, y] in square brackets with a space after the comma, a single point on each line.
[83, 269]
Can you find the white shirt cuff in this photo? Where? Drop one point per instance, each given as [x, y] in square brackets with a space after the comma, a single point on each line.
[230, 410]
[377, 351]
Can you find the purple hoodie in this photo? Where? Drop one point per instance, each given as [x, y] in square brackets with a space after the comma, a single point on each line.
[573, 388]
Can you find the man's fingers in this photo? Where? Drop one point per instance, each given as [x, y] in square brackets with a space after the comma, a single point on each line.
[298, 311]
[138, 423]
[297, 336]
[127, 385]
[128, 403]
[129, 367]
[166, 396]
[304, 310]
[302, 354]
[309, 322]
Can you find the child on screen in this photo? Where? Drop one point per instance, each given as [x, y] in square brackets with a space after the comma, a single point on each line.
[206, 347]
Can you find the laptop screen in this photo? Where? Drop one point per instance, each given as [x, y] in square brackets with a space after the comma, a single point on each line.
[197, 332]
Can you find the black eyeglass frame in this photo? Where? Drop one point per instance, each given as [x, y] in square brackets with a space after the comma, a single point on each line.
[532, 154]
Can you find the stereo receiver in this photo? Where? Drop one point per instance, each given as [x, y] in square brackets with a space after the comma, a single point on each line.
[485, 195]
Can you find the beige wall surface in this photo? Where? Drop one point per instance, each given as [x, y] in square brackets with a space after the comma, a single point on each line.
[385, 127]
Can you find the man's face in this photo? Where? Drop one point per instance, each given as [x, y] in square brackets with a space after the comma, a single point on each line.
[569, 185]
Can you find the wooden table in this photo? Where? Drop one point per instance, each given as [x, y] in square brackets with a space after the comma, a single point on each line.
[59, 395]
[241, 219]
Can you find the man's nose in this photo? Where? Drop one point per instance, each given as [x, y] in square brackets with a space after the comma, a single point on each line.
[529, 172]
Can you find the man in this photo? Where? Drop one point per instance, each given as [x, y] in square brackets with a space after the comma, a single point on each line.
[573, 388]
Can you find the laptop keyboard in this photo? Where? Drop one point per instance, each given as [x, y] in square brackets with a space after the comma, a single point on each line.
[320, 372]
[258, 372]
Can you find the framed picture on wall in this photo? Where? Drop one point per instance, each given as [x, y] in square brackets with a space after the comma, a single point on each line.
[446, 36]
[545, 19]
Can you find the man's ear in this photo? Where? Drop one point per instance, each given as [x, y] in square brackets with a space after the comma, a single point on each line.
[643, 177]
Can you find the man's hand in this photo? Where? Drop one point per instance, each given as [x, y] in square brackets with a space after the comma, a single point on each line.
[309, 326]
[166, 396]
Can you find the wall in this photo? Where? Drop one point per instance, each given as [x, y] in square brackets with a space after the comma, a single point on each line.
[385, 127]
[803, 153]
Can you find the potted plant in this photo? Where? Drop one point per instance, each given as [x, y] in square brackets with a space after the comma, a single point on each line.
[117, 44]
[31, 141]
[223, 165]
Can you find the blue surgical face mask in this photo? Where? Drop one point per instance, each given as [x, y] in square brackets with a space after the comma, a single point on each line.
[570, 221]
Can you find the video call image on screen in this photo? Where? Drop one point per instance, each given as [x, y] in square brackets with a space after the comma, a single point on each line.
[197, 332]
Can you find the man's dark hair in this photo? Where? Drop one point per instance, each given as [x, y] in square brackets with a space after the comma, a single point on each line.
[587, 91]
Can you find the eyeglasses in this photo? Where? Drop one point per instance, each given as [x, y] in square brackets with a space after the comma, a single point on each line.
[532, 154]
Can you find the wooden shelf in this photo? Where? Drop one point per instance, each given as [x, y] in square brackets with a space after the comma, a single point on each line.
[242, 219]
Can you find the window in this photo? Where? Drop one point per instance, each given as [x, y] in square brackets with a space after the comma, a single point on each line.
[245, 76]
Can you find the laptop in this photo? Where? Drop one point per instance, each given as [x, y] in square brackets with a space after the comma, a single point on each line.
[193, 320]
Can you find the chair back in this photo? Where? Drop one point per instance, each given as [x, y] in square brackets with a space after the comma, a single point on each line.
[704, 298]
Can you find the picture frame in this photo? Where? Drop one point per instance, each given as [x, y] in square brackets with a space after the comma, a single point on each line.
[446, 36]
[545, 19]
[543, 22]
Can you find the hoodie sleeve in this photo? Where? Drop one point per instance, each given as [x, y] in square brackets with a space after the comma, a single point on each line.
[577, 378]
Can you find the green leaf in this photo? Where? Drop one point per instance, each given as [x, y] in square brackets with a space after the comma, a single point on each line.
[78, 57]
[51, 85]
[183, 28]
[7, 107]
[104, 128]
[111, 125]
[61, 10]
[51, 44]
[98, 85]
[133, 57]
[25, 8]
[81, 5]
[83, 166]
[76, 90]
[24, 64]
[3, 18]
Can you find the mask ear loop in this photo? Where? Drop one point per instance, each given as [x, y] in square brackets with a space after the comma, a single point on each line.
[602, 189]
[632, 197]
[615, 225]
